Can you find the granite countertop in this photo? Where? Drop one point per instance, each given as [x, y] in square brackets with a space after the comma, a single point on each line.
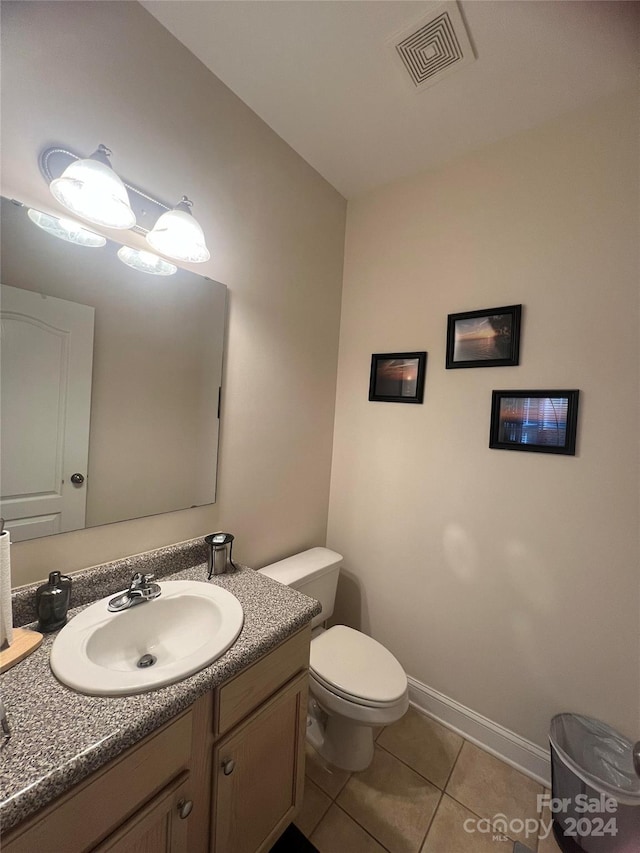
[59, 736]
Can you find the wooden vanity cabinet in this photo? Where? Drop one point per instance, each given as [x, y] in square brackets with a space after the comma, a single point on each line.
[224, 776]
[259, 773]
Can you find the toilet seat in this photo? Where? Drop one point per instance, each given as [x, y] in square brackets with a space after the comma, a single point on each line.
[349, 697]
[357, 668]
[353, 712]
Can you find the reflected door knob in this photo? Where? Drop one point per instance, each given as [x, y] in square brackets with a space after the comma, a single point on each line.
[77, 479]
[228, 766]
[184, 808]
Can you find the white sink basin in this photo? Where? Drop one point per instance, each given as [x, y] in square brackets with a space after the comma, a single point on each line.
[190, 625]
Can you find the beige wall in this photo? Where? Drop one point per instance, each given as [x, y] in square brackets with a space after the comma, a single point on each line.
[82, 73]
[507, 581]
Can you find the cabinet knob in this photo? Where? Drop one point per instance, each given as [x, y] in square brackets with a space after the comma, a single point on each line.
[228, 766]
[184, 808]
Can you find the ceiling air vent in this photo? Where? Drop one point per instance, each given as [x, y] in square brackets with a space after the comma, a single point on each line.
[434, 46]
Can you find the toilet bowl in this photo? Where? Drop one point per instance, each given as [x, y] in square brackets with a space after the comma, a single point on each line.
[355, 683]
[359, 684]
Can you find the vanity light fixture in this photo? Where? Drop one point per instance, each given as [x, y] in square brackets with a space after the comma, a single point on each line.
[142, 261]
[91, 189]
[66, 229]
[178, 235]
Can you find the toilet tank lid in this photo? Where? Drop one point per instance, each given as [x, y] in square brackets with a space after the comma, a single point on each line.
[306, 565]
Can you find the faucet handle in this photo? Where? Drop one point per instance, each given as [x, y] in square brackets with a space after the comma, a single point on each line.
[140, 580]
[140, 589]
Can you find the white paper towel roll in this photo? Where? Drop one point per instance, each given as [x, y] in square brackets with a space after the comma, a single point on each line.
[6, 615]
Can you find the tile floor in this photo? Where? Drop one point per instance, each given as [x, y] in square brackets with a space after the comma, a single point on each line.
[424, 785]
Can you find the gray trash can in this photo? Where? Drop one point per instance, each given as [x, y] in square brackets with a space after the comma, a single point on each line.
[595, 789]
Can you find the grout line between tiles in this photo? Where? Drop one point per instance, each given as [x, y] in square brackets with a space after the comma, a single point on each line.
[466, 808]
[342, 787]
[330, 797]
[453, 766]
[433, 817]
[428, 781]
[363, 828]
[475, 814]
[317, 823]
[326, 766]
[421, 775]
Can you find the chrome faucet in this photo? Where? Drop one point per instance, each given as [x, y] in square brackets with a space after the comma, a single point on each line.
[140, 589]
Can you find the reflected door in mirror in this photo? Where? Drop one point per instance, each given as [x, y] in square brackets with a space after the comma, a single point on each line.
[47, 354]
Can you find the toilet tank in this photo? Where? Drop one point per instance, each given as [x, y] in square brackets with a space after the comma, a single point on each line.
[313, 572]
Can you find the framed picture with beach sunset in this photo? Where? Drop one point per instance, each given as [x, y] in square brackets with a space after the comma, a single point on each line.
[486, 338]
[397, 377]
[542, 421]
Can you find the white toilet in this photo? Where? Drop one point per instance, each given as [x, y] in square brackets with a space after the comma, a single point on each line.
[354, 682]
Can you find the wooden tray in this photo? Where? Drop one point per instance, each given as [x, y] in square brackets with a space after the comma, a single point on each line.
[24, 642]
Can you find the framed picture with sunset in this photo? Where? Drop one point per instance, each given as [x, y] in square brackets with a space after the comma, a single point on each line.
[486, 338]
[542, 421]
[397, 377]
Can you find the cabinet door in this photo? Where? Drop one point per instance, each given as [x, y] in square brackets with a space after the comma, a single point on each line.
[258, 773]
[159, 827]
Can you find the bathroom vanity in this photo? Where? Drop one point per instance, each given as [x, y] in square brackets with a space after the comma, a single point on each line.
[212, 763]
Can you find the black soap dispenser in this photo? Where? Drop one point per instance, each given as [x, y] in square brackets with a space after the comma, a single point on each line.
[52, 602]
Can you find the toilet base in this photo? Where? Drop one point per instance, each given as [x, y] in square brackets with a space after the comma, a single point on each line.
[341, 731]
[339, 741]
[347, 745]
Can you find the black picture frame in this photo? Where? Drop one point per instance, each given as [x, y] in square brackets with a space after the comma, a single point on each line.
[486, 338]
[397, 377]
[538, 421]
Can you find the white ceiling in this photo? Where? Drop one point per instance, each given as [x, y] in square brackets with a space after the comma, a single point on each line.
[321, 74]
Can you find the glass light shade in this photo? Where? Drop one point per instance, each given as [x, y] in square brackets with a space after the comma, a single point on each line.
[91, 189]
[178, 235]
[66, 229]
[147, 262]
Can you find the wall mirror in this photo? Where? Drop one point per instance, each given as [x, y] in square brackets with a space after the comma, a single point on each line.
[110, 384]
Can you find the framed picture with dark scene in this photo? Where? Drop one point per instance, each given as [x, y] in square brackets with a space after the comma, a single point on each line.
[397, 377]
[486, 338]
[542, 421]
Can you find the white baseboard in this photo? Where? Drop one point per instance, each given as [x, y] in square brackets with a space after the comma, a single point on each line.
[525, 756]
